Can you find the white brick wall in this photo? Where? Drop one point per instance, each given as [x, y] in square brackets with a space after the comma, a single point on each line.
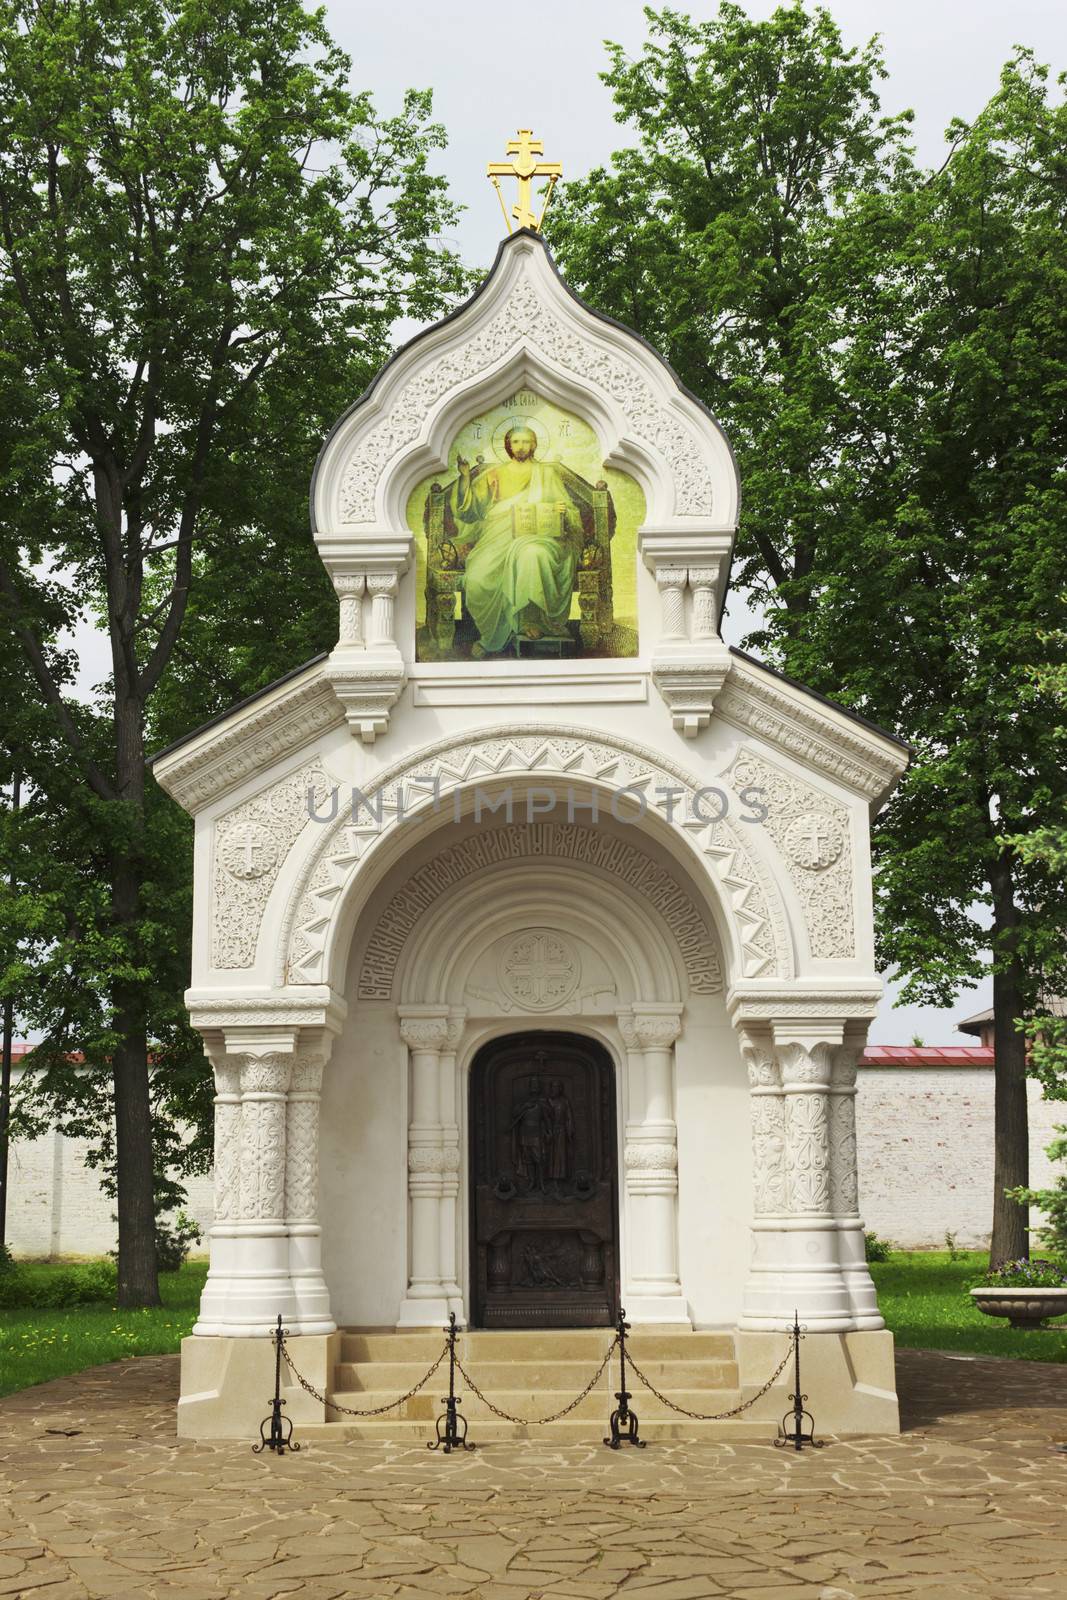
[925, 1139]
[55, 1204]
[925, 1160]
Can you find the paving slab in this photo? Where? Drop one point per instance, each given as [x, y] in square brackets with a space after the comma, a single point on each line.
[98, 1497]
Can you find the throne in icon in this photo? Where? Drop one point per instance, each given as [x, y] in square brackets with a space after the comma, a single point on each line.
[446, 610]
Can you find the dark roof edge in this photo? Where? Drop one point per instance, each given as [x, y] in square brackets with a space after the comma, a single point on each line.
[221, 716]
[457, 311]
[844, 711]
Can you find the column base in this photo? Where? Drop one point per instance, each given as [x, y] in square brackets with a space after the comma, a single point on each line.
[849, 1380]
[429, 1313]
[226, 1384]
[666, 1310]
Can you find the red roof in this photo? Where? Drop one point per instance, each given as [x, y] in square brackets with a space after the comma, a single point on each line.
[927, 1055]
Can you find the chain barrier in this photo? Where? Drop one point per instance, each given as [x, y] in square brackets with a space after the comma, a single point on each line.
[353, 1411]
[537, 1422]
[712, 1416]
[456, 1365]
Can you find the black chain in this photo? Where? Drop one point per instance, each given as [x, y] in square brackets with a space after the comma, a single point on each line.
[717, 1416]
[352, 1411]
[537, 1422]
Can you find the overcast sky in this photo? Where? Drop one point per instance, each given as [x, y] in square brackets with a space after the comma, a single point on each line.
[494, 69]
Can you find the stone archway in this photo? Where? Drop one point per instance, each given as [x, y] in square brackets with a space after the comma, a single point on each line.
[747, 907]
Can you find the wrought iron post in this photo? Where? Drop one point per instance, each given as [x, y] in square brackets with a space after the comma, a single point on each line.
[451, 1439]
[280, 1437]
[797, 1438]
[622, 1417]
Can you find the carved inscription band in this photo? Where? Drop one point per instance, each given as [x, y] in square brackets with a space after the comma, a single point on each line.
[543, 841]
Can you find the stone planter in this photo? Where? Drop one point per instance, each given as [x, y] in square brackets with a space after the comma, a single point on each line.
[1024, 1308]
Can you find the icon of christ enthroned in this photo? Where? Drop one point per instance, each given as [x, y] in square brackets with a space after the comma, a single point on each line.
[517, 537]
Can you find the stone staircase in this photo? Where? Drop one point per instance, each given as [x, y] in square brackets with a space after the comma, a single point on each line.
[532, 1374]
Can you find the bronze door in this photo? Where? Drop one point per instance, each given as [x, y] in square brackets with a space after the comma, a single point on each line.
[544, 1211]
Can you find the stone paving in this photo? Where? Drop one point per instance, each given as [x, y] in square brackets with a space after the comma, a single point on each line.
[98, 1498]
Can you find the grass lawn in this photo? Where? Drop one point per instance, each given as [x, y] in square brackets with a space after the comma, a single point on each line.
[38, 1345]
[923, 1297]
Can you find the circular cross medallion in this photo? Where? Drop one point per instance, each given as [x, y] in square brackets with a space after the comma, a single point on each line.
[814, 841]
[248, 851]
[539, 970]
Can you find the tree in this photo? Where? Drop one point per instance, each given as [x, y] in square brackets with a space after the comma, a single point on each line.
[190, 286]
[888, 352]
[713, 235]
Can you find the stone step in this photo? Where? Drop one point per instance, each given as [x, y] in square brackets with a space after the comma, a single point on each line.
[425, 1405]
[547, 1344]
[556, 1377]
[570, 1430]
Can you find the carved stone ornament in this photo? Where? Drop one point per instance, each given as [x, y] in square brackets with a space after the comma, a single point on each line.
[864, 762]
[433, 1158]
[424, 1033]
[812, 832]
[526, 320]
[650, 1158]
[546, 842]
[744, 886]
[539, 970]
[251, 842]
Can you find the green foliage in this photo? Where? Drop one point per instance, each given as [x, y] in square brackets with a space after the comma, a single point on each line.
[1029, 1273]
[38, 1345]
[83, 1283]
[954, 1251]
[208, 236]
[1052, 1202]
[877, 1249]
[923, 1297]
[887, 350]
[174, 1240]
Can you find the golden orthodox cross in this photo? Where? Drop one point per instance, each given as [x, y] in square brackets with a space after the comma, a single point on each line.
[525, 149]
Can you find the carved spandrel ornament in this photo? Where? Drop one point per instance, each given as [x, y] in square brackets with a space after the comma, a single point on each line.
[811, 830]
[251, 843]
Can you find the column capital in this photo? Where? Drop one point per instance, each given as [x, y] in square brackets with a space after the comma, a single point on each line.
[758, 1054]
[266, 1075]
[424, 1027]
[653, 1026]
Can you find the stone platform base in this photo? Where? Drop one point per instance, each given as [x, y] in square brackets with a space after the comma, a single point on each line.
[848, 1378]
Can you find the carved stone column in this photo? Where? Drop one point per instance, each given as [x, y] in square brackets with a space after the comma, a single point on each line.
[212, 1315]
[672, 585]
[703, 582]
[302, 1191]
[425, 1032]
[653, 1289]
[250, 1254]
[844, 1186]
[450, 1166]
[382, 586]
[795, 1265]
[350, 587]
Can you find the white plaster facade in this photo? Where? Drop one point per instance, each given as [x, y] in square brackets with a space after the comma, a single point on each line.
[347, 969]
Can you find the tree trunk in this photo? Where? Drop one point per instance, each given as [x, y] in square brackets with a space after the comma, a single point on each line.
[138, 1280]
[1011, 1163]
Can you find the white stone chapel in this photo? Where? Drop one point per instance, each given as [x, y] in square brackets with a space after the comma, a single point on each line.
[533, 927]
